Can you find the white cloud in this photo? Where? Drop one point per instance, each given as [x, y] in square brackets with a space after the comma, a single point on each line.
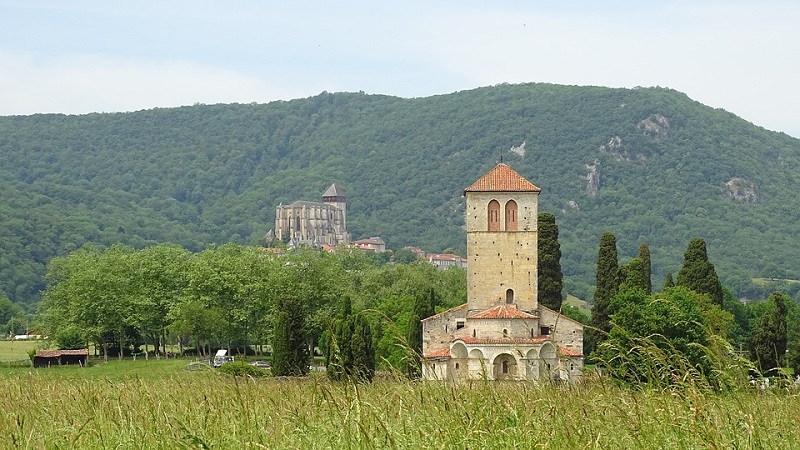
[76, 84]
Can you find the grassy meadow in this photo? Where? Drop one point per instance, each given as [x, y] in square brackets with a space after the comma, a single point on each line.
[159, 404]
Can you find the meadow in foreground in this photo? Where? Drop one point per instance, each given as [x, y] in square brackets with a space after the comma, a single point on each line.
[80, 408]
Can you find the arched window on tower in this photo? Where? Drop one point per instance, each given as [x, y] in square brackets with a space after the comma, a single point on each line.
[510, 296]
[511, 215]
[494, 215]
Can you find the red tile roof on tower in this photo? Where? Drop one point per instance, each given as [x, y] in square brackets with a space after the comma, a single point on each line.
[502, 179]
[502, 312]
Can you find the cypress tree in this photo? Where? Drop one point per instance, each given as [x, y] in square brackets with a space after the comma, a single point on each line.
[669, 282]
[606, 286]
[644, 255]
[634, 275]
[551, 278]
[768, 344]
[363, 350]
[698, 274]
[289, 339]
[423, 308]
[339, 358]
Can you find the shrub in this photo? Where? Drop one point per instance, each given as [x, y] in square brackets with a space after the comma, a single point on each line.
[242, 369]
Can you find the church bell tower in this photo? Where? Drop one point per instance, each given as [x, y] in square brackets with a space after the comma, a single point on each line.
[502, 212]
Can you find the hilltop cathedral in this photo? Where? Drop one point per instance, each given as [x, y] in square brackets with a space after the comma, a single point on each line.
[314, 223]
[502, 333]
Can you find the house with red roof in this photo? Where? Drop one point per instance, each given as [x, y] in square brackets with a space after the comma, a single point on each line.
[502, 333]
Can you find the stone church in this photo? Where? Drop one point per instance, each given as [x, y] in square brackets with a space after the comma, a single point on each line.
[502, 333]
[314, 223]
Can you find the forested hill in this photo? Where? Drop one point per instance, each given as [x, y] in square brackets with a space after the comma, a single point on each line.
[649, 164]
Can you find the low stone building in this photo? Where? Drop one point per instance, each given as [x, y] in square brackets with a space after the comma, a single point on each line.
[502, 333]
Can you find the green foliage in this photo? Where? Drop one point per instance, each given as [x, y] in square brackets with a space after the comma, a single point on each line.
[668, 281]
[670, 338]
[551, 278]
[634, 275]
[606, 285]
[769, 339]
[698, 274]
[70, 338]
[213, 174]
[289, 339]
[423, 308]
[404, 256]
[363, 349]
[351, 346]
[647, 266]
[242, 369]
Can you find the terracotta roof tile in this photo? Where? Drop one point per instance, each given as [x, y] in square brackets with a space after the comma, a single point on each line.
[502, 312]
[569, 351]
[502, 179]
[57, 353]
[456, 308]
[441, 353]
[528, 341]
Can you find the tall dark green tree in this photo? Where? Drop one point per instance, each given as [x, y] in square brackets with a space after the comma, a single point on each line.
[644, 255]
[633, 275]
[551, 278]
[768, 343]
[698, 274]
[339, 356]
[668, 281]
[363, 349]
[606, 286]
[290, 339]
[423, 308]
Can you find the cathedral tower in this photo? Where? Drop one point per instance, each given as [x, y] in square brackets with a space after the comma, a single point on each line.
[502, 212]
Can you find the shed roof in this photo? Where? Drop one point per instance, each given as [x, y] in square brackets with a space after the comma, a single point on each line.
[57, 353]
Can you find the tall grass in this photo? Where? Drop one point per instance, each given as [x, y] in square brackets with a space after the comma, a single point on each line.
[205, 410]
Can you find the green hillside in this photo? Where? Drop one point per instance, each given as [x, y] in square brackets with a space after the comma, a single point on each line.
[667, 169]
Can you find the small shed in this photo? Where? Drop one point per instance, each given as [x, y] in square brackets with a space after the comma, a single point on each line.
[47, 358]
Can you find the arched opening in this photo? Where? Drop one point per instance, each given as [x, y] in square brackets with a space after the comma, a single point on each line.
[505, 367]
[505, 333]
[510, 296]
[474, 333]
[511, 215]
[494, 215]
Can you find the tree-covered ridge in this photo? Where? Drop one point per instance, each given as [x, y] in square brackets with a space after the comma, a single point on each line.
[665, 168]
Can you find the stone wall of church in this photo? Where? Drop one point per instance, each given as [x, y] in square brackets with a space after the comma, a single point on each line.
[565, 331]
[499, 261]
[438, 330]
[493, 328]
[502, 260]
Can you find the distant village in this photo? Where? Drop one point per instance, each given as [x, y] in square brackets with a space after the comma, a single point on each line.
[323, 225]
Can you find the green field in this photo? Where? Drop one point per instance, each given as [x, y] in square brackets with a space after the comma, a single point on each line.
[11, 350]
[159, 404]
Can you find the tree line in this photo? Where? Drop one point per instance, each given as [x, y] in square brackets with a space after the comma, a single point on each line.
[240, 298]
[206, 174]
[694, 327]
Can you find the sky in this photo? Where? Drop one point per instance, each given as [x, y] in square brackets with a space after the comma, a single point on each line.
[76, 56]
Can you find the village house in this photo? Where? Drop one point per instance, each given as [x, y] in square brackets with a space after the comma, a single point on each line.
[502, 333]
